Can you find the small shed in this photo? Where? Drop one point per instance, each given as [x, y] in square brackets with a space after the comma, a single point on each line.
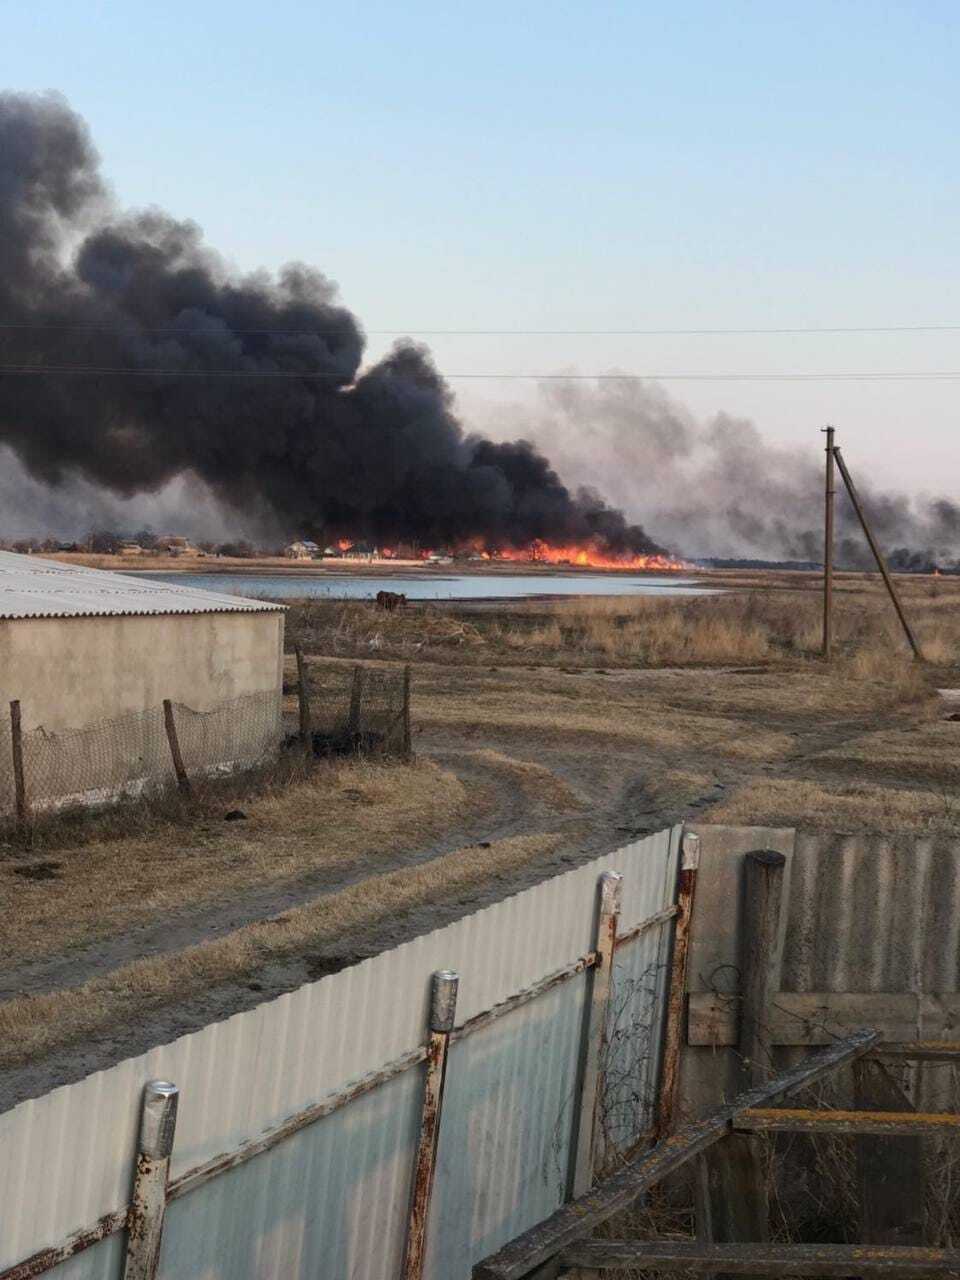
[90, 657]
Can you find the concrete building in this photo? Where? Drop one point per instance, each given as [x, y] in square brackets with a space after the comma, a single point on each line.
[81, 649]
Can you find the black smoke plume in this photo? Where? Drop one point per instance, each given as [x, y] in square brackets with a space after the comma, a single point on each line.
[262, 396]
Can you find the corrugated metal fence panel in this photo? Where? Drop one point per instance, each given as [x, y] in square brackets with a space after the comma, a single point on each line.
[245, 1075]
[873, 915]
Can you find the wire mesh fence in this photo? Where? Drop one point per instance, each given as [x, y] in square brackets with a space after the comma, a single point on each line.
[358, 710]
[353, 711]
[131, 755]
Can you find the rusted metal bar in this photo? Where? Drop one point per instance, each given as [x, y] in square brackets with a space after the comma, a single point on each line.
[676, 998]
[303, 697]
[158, 1122]
[877, 555]
[651, 922]
[443, 1009]
[19, 781]
[170, 724]
[211, 1169]
[828, 549]
[587, 1118]
[772, 1259]
[39, 1264]
[575, 1221]
[801, 1120]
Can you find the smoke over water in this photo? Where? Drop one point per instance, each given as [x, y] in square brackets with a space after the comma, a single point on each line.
[717, 488]
[328, 451]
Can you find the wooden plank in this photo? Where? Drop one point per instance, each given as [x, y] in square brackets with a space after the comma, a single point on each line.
[797, 1120]
[922, 1051]
[819, 1017]
[676, 998]
[759, 962]
[19, 782]
[891, 1170]
[170, 724]
[578, 1218]
[774, 1259]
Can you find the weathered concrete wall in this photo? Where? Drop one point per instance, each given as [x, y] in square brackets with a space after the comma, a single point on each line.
[72, 672]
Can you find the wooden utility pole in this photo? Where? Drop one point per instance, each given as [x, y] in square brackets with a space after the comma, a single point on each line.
[877, 555]
[828, 550]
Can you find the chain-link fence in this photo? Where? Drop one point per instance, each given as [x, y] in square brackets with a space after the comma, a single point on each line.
[358, 710]
[130, 755]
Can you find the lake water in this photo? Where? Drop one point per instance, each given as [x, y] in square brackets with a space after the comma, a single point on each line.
[434, 586]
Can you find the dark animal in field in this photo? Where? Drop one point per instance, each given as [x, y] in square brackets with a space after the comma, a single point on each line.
[391, 600]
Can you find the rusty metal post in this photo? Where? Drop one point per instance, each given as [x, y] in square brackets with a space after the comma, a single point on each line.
[158, 1122]
[19, 781]
[676, 999]
[828, 549]
[588, 1118]
[443, 1010]
[303, 698]
[170, 724]
[877, 555]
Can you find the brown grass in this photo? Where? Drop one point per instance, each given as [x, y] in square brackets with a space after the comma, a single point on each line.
[855, 806]
[343, 815]
[30, 1026]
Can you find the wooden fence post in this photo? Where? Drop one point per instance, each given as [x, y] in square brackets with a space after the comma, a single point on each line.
[356, 702]
[588, 1118]
[158, 1121]
[183, 782]
[443, 1010]
[737, 1169]
[303, 698]
[676, 999]
[19, 781]
[407, 748]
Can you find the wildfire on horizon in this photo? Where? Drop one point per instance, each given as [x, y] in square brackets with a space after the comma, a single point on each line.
[577, 555]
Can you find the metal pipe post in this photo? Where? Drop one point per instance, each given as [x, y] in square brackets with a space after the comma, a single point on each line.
[673, 1037]
[303, 698]
[587, 1128]
[874, 547]
[443, 1010]
[170, 724]
[158, 1122]
[828, 549]
[19, 781]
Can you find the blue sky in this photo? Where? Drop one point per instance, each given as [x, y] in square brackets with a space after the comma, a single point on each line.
[557, 166]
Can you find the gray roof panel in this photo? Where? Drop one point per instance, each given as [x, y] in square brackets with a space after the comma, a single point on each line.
[32, 587]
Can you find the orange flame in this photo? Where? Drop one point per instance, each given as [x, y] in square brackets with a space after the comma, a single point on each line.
[587, 555]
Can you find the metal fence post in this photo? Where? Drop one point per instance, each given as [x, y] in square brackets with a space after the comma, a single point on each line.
[158, 1121]
[303, 697]
[588, 1118]
[676, 999]
[443, 1009]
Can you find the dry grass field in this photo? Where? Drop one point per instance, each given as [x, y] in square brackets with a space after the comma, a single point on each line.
[544, 733]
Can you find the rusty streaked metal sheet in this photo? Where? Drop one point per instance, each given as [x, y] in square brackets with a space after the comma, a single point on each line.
[31, 587]
[333, 1197]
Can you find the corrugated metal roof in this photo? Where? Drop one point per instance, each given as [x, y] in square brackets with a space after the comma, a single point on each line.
[31, 587]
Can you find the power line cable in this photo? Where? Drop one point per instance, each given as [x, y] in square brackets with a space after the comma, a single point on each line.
[922, 376]
[488, 333]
